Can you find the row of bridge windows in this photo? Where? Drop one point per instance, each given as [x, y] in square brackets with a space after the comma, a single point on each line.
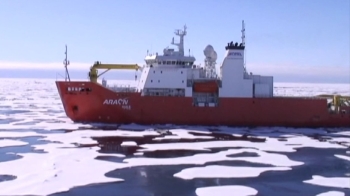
[169, 62]
[159, 81]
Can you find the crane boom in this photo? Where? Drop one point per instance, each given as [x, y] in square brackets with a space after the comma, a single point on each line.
[116, 66]
[332, 96]
[93, 74]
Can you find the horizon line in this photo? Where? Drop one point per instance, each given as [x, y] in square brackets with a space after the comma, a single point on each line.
[80, 79]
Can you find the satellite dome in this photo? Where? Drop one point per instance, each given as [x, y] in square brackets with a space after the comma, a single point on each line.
[214, 56]
[209, 52]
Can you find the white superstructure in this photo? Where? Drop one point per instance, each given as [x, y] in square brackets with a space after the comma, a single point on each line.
[174, 74]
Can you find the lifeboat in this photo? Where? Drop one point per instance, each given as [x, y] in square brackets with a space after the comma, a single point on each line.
[206, 87]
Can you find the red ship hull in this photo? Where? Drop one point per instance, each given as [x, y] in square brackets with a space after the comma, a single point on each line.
[103, 105]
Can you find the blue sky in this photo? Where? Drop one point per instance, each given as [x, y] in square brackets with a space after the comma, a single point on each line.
[296, 41]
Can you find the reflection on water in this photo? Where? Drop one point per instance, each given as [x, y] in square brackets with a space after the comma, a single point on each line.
[113, 144]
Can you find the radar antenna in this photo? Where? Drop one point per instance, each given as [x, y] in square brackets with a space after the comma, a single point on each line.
[66, 63]
[181, 34]
[210, 61]
[243, 33]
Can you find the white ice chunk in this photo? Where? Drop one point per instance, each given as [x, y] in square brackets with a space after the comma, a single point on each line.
[8, 143]
[343, 157]
[227, 190]
[339, 182]
[219, 171]
[332, 193]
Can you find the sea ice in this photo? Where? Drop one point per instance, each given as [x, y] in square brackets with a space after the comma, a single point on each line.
[227, 190]
[332, 193]
[57, 170]
[338, 182]
[343, 157]
[219, 171]
[200, 159]
[8, 143]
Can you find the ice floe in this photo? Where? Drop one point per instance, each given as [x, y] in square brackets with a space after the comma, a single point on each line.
[343, 157]
[55, 171]
[339, 182]
[227, 190]
[200, 159]
[8, 143]
[331, 193]
[271, 144]
[14, 134]
[219, 171]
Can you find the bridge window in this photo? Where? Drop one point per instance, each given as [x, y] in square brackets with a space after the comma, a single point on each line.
[151, 80]
[168, 62]
[158, 81]
[173, 62]
[161, 71]
[164, 62]
[181, 72]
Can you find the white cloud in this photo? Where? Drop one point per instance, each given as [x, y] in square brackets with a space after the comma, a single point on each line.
[302, 70]
[26, 65]
[52, 65]
[320, 73]
[255, 68]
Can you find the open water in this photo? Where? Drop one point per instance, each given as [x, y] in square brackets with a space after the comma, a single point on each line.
[43, 153]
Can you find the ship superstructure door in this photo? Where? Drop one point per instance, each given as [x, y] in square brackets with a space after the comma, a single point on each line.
[205, 93]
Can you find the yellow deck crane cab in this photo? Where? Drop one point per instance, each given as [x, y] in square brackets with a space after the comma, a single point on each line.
[93, 74]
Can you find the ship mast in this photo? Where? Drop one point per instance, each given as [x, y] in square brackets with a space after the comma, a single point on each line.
[243, 44]
[66, 63]
[180, 45]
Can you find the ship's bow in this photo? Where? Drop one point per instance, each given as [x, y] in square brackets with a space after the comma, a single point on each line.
[62, 88]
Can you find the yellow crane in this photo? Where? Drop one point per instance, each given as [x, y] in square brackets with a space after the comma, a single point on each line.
[338, 100]
[93, 74]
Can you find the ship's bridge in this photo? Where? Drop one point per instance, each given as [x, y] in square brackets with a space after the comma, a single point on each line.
[170, 57]
[169, 60]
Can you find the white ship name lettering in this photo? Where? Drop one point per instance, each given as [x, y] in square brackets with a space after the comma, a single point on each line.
[234, 54]
[126, 107]
[116, 102]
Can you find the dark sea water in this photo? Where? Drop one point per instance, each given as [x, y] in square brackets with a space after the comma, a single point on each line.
[43, 153]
